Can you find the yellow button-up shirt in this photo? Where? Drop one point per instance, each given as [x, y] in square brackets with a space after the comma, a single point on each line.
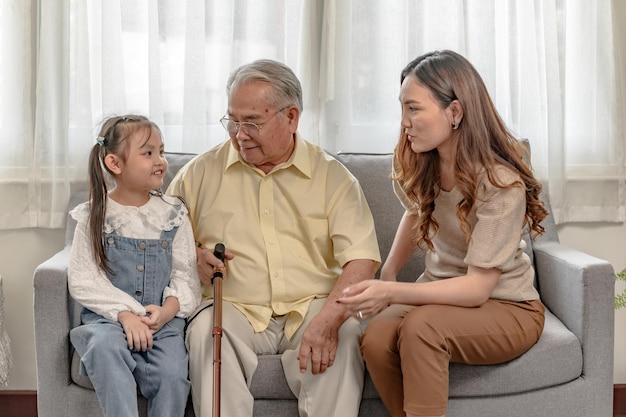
[290, 230]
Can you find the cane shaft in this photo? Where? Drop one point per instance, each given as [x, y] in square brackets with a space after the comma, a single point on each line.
[219, 253]
[217, 344]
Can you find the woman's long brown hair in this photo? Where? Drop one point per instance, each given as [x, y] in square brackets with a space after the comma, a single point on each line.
[482, 141]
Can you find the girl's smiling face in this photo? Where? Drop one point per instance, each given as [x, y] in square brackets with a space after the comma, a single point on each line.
[145, 164]
[140, 169]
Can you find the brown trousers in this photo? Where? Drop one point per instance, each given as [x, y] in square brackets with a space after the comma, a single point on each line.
[408, 349]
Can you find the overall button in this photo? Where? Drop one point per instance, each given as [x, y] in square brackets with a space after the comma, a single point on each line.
[140, 268]
[142, 245]
[164, 245]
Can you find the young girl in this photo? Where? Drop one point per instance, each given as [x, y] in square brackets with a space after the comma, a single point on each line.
[133, 269]
[468, 196]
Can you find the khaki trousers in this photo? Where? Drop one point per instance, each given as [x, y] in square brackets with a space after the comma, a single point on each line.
[336, 392]
[408, 349]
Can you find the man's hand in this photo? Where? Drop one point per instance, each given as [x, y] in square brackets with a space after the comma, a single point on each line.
[207, 263]
[319, 344]
[138, 334]
[320, 339]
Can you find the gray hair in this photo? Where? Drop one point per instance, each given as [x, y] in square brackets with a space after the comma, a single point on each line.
[286, 88]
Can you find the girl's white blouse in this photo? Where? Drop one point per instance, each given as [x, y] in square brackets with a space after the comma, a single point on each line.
[89, 285]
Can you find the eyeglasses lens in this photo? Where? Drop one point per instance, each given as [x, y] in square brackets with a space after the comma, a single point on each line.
[232, 128]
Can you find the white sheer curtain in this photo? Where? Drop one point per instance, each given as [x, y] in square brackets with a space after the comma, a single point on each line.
[17, 27]
[549, 65]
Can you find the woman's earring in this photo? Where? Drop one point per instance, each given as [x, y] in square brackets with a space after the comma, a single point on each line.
[455, 125]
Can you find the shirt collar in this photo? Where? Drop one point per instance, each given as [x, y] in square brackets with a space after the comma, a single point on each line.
[299, 158]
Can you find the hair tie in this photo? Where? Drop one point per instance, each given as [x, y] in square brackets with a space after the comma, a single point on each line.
[101, 140]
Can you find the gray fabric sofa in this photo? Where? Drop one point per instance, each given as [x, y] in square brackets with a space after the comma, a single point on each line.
[568, 373]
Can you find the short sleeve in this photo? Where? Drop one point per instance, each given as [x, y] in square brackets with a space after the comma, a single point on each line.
[497, 232]
[404, 199]
[351, 224]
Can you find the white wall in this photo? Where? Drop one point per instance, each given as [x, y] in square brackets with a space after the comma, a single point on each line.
[20, 253]
[610, 241]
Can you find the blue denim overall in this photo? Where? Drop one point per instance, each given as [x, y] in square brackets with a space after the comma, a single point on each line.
[142, 269]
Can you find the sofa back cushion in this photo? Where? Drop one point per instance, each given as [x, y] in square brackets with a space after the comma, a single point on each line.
[175, 161]
[373, 172]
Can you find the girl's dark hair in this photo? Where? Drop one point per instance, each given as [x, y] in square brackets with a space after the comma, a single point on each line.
[482, 141]
[112, 139]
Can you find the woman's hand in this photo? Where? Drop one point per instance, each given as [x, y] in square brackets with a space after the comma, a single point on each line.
[367, 298]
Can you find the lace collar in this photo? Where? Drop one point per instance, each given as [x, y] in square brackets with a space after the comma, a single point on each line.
[162, 212]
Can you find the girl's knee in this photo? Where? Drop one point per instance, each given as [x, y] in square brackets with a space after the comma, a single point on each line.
[98, 338]
[174, 373]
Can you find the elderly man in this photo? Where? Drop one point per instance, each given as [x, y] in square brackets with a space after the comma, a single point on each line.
[298, 231]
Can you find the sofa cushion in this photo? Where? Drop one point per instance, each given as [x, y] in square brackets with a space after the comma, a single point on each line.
[556, 359]
[558, 352]
[79, 379]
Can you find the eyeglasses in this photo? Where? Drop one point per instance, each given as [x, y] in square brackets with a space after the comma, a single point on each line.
[249, 128]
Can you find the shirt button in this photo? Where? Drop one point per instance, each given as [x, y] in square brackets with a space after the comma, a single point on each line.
[111, 241]
[140, 268]
[142, 245]
[164, 245]
[267, 212]
[137, 292]
[271, 242]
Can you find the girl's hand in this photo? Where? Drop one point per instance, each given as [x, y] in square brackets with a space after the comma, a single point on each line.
[138, 335]
[154, 318]
[158, 316]
[367, 298]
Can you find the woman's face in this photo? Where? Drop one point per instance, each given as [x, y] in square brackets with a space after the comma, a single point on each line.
[425, 123]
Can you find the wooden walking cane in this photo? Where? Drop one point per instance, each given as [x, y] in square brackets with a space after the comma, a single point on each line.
[216, 281]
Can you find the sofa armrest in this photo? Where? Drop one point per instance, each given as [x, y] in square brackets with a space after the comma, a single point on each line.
[52, 326]
[579, 289]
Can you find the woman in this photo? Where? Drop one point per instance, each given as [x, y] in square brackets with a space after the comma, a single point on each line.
[469, 197]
